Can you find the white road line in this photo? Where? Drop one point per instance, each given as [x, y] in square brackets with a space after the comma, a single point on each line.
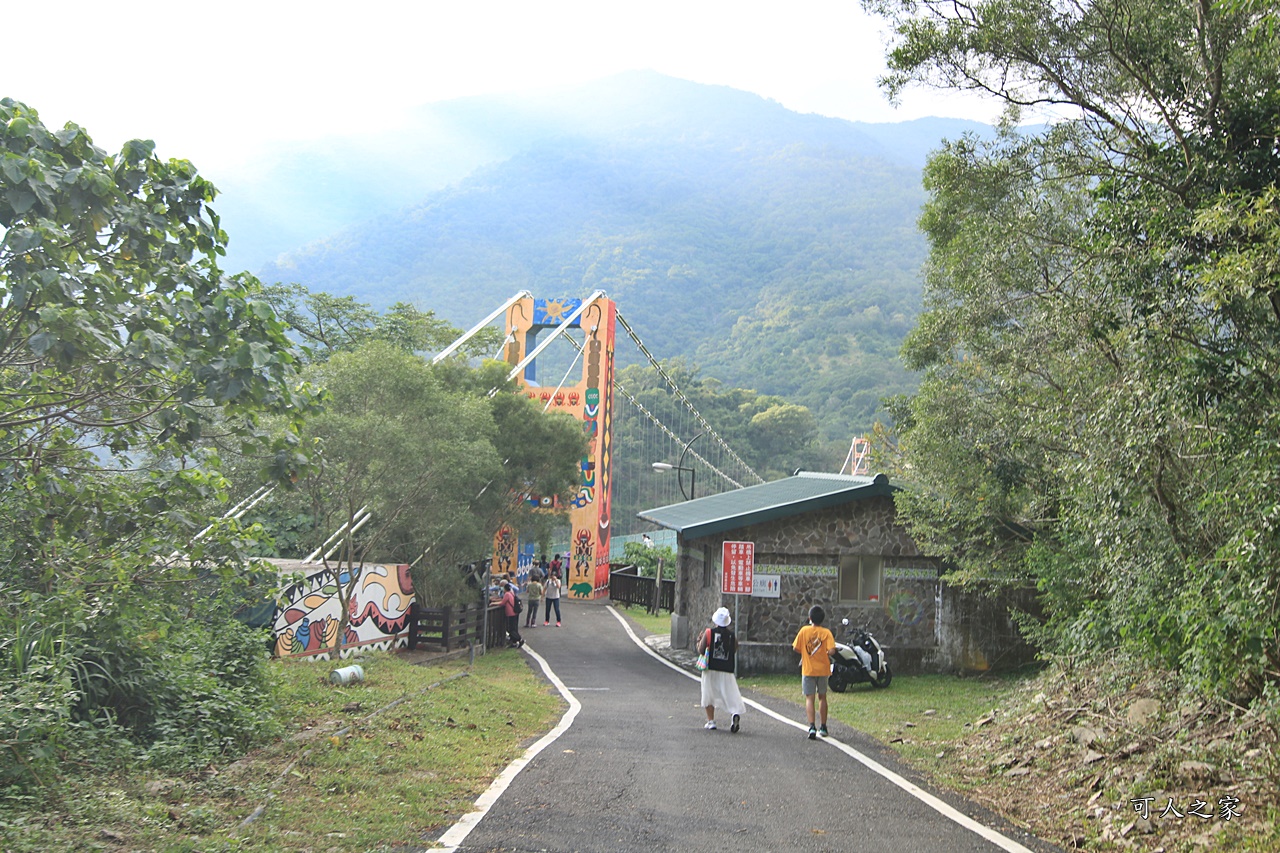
[458, 833]
[949, 812]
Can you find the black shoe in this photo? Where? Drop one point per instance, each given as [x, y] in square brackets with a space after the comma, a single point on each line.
[813, 733]
[734, 727]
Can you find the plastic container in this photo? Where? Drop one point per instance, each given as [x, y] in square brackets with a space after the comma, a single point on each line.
[347, 675]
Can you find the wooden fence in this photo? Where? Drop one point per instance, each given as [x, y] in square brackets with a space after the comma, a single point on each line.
[627, 587]
[445, 629]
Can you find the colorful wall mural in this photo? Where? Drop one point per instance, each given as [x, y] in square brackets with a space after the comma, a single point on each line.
[590, 400]
[307, 624]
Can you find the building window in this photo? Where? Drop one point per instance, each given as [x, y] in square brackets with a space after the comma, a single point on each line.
[860, 577]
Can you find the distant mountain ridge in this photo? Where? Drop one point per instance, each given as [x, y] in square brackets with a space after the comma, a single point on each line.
[778, 251]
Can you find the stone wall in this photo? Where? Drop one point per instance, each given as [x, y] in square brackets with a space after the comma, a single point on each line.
[926, 625]
[977, 634]
[805, 550]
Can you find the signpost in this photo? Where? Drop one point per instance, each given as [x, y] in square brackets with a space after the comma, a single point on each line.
[738, 562]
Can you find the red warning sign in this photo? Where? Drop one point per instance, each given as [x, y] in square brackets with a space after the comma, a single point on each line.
[739, 563]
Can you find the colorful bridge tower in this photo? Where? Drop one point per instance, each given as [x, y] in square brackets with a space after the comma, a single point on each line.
[590, 399]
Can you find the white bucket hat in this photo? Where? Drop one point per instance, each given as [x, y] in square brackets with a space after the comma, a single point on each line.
[721, 617]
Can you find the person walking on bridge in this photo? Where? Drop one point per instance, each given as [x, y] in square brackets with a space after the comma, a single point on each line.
[719, 684]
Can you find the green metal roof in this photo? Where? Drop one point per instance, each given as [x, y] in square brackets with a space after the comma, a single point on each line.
[789, 496]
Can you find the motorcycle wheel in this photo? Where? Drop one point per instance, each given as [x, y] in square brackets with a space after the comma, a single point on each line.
[838, 682]
[885, 678]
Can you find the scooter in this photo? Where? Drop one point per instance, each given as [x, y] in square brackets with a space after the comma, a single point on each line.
[860, 660]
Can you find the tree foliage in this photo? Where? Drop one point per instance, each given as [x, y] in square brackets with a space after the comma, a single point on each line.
[1102, 327]
[651, 561]
[327, 324]
[123, 352]
[438, 455]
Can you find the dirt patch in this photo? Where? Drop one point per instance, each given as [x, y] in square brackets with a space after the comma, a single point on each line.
[1107, 763]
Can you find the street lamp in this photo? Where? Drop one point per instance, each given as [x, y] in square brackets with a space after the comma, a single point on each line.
[679, 467]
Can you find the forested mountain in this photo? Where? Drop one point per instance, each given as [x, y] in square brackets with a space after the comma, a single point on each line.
[776, 251]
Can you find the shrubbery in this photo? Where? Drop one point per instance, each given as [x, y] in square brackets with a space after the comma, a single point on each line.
[173, 692]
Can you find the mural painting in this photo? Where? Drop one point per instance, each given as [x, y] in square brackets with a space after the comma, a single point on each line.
[307, 624]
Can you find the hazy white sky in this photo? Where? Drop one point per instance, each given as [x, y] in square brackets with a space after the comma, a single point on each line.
[211, 81]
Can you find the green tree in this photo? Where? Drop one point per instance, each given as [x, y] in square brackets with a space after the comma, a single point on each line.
[1102, 326]
[541, 454]
[122, 345]
[654, 561]
[435, 459]
[329, 324]
[784, 434]
[397, 444]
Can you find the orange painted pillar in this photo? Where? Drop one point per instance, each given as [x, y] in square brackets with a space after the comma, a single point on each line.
[590, 399]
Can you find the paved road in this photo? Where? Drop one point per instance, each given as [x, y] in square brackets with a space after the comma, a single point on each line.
[634, 770]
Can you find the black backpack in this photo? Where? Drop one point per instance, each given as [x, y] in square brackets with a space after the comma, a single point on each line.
[519, 604]
[721, 647]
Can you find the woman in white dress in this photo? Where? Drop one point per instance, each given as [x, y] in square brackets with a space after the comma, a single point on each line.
[719, 684]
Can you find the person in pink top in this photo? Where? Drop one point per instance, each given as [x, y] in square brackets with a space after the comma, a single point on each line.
[513, 618]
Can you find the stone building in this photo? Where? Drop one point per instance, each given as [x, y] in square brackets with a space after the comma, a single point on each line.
[833, 540]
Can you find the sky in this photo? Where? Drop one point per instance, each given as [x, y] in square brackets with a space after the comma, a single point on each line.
[240, 88]
[213, 82]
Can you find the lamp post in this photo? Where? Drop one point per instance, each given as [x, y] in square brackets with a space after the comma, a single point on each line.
[679, 467]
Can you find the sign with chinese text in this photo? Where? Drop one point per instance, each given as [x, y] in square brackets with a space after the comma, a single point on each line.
[739, 567]
[766, 586]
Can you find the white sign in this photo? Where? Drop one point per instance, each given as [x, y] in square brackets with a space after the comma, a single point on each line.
[766, 586]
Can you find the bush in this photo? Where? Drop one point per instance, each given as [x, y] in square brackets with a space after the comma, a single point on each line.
[647, 559]
[97, 691]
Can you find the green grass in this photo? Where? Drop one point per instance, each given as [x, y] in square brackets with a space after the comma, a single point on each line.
[660, 624]
[347, 779]
[919, 716]
[344, 780]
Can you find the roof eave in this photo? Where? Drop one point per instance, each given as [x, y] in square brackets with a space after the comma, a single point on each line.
[720, 525]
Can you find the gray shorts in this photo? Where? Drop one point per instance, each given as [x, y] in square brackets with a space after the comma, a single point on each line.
[811, 684]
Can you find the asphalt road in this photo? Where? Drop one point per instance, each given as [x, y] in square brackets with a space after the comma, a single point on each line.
[634, 770]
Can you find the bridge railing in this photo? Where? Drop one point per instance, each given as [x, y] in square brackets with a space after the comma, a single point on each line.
[626, 586]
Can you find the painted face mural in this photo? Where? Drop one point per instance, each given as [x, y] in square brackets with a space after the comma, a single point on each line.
[378, 612]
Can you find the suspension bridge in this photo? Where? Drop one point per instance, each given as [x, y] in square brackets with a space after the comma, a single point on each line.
[648, 447]
[628, 430]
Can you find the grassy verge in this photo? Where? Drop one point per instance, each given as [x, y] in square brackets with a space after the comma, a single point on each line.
[919, 716]
[660, 624]
[347, 778]
[387, 763]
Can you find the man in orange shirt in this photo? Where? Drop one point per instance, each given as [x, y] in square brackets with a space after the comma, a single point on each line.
[816, 645]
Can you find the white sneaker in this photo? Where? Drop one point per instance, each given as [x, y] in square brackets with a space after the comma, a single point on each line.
[711, 725]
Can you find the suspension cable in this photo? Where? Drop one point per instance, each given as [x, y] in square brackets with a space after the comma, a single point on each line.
[653, 418]
[680, 394]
